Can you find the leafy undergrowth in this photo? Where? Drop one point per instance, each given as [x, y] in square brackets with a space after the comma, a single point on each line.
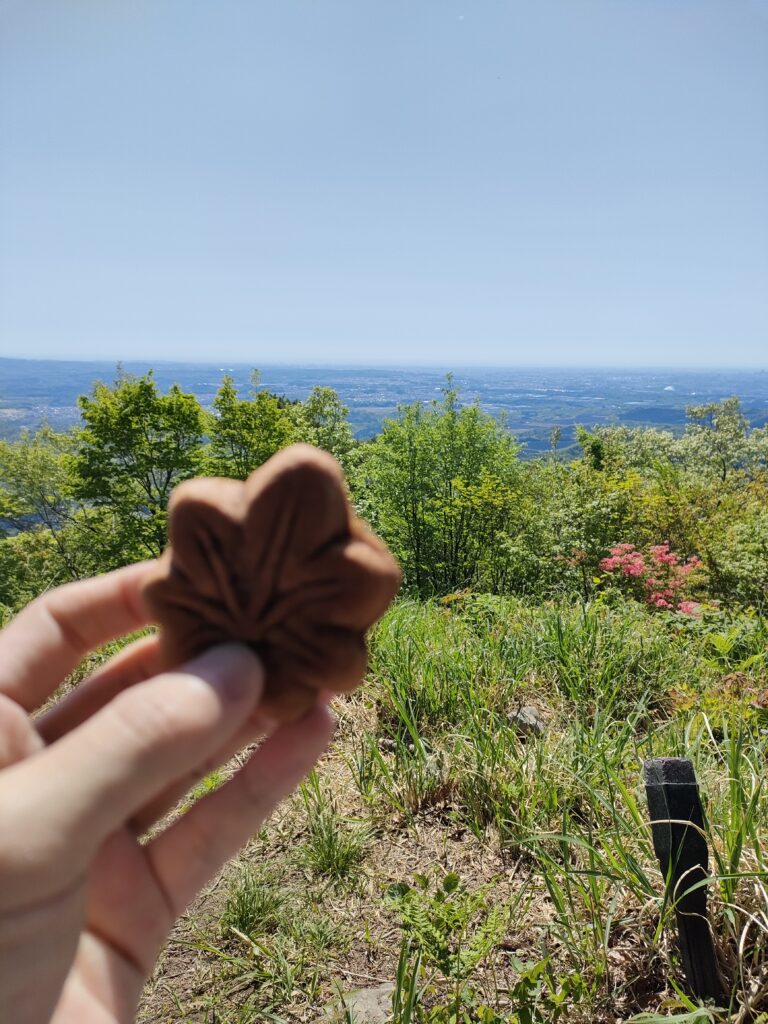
[494, 871]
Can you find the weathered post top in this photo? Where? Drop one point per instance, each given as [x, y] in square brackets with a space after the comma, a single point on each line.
[670, 771]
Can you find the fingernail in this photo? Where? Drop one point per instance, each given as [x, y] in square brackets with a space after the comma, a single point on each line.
[233, 670]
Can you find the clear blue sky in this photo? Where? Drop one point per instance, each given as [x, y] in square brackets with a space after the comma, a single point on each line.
[431, 181]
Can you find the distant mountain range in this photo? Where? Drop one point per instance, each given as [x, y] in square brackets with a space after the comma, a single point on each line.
[532, 400]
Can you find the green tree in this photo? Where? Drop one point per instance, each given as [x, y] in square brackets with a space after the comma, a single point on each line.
[738, 557]
[716, 438]
[626, 448]
[244, 433]
[439, 485]
[37, 494]
[30, 563]
[35, 480]
[135, 446]
[322, 421]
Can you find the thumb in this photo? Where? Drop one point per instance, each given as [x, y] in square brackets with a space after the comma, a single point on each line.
[59, 806]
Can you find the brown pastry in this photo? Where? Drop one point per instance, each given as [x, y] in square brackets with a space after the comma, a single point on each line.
[279, 562]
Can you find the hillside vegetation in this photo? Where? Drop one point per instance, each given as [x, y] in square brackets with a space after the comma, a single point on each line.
[477, 838]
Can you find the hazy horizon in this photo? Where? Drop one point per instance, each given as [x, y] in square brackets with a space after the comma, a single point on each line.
[448, 365]
[532, 400]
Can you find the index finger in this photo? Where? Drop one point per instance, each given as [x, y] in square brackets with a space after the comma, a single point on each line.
[50, 637]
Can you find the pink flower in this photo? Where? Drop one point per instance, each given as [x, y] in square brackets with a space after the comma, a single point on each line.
[661, 554]
[661, 574]
[690, 608]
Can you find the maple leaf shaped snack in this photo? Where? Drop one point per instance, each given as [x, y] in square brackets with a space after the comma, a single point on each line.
[280, 562]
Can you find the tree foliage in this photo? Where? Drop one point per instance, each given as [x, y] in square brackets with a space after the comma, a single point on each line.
[245, 432]
[321, 420]
[440, 484]
[443, 484]
[134, 447]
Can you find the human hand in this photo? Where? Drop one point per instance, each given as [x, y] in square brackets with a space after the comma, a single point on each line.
[84, 905]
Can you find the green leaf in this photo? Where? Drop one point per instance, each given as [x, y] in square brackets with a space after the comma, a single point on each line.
[451, 882]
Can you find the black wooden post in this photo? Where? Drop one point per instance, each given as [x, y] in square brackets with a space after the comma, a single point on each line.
[676, 821]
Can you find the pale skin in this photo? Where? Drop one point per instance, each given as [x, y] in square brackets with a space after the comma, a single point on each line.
[85, 903]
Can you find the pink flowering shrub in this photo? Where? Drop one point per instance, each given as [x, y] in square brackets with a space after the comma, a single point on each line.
[658, 577]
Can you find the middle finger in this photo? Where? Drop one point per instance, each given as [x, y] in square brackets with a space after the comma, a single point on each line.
[134, 664]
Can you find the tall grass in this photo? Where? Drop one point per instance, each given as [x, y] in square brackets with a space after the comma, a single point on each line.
[334, 847]
[609, 680]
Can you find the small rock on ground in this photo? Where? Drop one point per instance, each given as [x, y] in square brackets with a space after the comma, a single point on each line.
[367, 1005]
[528, 721]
